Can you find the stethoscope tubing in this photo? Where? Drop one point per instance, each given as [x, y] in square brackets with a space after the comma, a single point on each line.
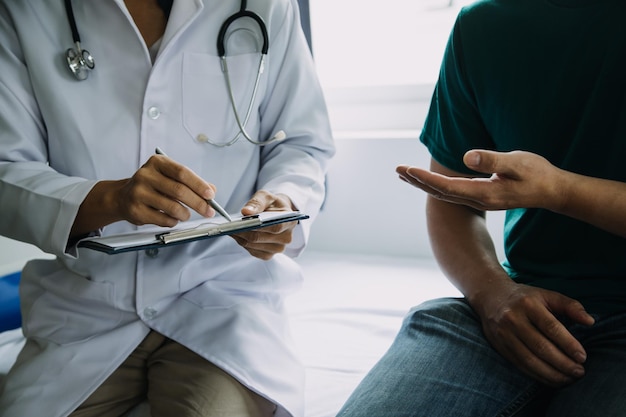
[80, 62]
[242, 126]
[221, 51]
[69, 10]
[242, 13]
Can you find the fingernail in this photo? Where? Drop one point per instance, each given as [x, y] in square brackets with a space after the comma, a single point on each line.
[580, 357]
[578, 372]
[208, 194]
[473, 159]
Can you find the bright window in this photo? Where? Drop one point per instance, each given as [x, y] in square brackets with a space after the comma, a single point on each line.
[375, 62]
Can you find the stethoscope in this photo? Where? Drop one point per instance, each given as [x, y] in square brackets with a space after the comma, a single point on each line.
[80, 62]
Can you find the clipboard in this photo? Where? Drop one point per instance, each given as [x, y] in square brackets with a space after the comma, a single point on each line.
[191, 231]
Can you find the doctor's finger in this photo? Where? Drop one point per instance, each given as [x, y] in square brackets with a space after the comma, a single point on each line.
[261, 250]
[278, 234]
[176, 192]
[181, 184]
[263, 200]
[183, 175]
[258, 203]
[140, 204]
[278, 229]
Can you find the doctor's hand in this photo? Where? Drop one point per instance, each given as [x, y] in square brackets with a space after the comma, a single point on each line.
[523, 324]
[264, 243]
[161, 192]
[517, 179]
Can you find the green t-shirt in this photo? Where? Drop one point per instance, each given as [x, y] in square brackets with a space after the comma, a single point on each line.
[547, 77]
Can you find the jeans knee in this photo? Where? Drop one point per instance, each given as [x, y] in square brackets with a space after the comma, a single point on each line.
[452, 310]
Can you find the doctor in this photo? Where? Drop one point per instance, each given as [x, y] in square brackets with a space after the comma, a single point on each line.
[196, 329]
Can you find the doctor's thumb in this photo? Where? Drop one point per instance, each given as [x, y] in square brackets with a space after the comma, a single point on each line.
[257, 204]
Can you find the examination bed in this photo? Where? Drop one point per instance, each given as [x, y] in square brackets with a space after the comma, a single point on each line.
[344, 318]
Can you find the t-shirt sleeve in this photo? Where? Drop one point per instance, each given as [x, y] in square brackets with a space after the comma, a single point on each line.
[454, 123]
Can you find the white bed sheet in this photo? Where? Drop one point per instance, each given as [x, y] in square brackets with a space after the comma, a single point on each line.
[344, 319]
[347, 315]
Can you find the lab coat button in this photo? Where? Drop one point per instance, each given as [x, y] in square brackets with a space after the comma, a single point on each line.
[152, 252]
[149, 312]
[202, 138]
[154, 113]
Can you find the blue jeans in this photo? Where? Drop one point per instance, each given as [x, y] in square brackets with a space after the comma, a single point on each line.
[441, 365]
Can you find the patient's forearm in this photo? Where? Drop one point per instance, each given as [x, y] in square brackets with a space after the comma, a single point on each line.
[596, 201]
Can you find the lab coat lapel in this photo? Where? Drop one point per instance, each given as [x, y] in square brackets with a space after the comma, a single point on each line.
[183, 12]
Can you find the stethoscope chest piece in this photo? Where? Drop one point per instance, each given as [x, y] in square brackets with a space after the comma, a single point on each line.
[80, 62]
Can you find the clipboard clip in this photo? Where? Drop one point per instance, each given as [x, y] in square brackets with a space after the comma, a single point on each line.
[183, 234]
[252, 216]
[208, 229]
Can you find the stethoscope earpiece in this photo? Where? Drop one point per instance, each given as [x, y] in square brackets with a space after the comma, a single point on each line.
[79, 63]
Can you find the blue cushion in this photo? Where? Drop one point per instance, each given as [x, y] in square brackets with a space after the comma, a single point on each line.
[10, 317]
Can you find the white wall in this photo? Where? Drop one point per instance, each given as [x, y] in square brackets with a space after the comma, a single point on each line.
[369, 210]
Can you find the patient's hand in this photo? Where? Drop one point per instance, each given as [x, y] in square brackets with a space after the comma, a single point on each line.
[517, 179]
[521, 179]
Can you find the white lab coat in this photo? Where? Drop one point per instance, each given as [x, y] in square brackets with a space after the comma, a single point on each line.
[84, 312]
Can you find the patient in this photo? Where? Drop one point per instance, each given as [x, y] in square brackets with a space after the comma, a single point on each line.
[544, 331]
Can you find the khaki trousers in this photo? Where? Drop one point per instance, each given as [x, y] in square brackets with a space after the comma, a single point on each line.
[176, 382]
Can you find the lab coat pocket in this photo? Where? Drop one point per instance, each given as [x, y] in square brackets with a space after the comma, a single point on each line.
[68, 308]
[218, 294]
[206, 105]
[245, 281]
[237, 280]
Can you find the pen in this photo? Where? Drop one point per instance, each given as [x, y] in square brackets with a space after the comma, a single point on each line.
[211, 202]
